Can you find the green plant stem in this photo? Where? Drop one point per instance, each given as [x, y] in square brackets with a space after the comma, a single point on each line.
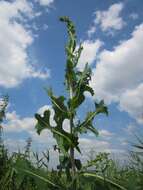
[71, 131]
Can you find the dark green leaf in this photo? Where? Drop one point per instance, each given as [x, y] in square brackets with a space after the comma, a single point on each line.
[43, 122]
[101, 108]
[78, 164]
[64, 139]
[81, 86]
[61, 111]
[87, 124]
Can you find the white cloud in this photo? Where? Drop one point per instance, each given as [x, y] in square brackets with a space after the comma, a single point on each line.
[45, 2]
[87, 145]
[89, 53]
[110, 19]
[134, 16]
[15, 40]
[91, 147]
[66, 125]
[45, 138]
[118, 75]
[48, 107]
[91, 31]
[132, 102]
[17, 124]
[105, 134]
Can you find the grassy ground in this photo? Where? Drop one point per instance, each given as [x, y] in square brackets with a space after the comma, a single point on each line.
[19, 171]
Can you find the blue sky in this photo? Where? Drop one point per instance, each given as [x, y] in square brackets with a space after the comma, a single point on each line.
[32, 57]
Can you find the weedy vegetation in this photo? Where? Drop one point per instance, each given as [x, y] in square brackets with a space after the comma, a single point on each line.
[29, 171]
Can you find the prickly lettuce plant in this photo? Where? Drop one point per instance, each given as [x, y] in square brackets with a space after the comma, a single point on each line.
[76, 84]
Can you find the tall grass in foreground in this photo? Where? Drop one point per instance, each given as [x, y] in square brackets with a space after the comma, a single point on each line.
[20, 171]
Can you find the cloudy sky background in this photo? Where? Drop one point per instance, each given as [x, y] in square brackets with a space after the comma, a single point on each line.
[32, 57]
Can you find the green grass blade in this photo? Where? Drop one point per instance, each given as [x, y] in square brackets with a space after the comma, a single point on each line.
[40, 177]
[88, 174]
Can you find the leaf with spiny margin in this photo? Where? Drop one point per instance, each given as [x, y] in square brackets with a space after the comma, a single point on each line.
[87, 124]
[81, 87]
[61, 111]
[72, 55]
[71, 31]
[78, 164]
[64, 139]
[78, 54]
[43, 122]
[101, 108]
[70, 75]
[64, 162]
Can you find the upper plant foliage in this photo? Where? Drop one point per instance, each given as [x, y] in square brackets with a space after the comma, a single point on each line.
[76, 83]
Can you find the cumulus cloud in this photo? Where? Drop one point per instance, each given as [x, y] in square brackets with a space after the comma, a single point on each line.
[89, 146]
[91, 31]
[15, 39]
[110, 19]
[89, 53]
[132, 102]
[17, 124]
[118, 75]
[105, 134]
[45, 2]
